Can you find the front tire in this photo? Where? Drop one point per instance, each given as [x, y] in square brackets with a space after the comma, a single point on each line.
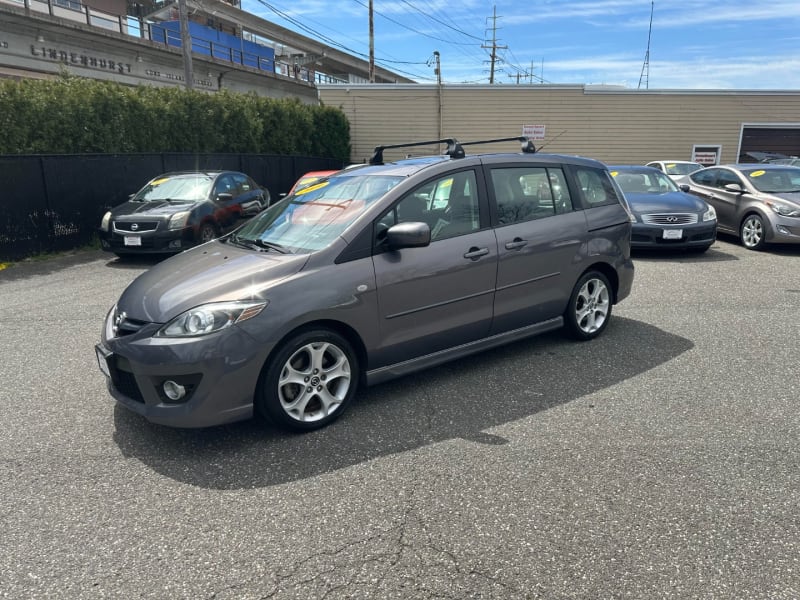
[589, 308]
[752, 232]
[207, 233]
[309, 382]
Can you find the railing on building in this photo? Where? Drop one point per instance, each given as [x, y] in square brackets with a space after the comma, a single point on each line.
[74, 10]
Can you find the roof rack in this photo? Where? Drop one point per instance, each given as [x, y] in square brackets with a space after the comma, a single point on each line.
[454, 147]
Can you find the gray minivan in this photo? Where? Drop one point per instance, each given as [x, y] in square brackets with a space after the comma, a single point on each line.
[372, 273]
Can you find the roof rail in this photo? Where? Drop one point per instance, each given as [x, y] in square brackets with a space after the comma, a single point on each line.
[454, 147]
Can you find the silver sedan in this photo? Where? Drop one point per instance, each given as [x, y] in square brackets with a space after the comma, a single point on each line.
[759, 203]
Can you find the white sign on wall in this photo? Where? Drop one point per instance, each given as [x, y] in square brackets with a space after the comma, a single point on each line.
[533, 132]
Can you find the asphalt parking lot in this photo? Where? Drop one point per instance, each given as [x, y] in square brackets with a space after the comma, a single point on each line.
[661, 460]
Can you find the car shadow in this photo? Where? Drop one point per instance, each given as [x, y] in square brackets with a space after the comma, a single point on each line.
[457, 400]
[137, 261]
[717, 253]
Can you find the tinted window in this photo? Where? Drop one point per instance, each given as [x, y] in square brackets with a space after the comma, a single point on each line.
[704, 176]
[526, 193]
[726, 177]
[596, 187]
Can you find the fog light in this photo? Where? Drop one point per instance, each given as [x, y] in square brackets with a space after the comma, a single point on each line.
[174, 391]
[784, 230]
[175, 244]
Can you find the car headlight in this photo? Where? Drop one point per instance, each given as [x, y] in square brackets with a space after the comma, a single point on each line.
[710, 214]
[210, 318]
[178, 220]
[105, 224]
[784, 210]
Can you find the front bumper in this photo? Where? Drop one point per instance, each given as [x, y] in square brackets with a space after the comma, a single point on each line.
[783, 230]
[149, 242]
[694, 235]
[219, 372]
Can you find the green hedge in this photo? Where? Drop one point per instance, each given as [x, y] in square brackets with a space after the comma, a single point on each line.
[73, 115]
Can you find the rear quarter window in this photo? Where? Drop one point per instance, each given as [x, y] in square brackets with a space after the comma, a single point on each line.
[596, 187]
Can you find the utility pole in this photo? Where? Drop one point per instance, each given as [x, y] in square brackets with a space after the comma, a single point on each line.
[437, 69]
[371, 44]
[493, 47]
[186, 44]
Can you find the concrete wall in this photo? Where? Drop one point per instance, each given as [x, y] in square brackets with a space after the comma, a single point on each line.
[614, 125]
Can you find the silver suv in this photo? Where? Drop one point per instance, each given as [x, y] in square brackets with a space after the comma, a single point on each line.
[371, 273]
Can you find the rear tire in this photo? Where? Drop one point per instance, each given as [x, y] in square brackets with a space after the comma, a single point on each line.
[589, 308]
[309, 381]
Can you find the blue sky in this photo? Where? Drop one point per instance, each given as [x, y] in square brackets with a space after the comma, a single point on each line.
[738, 44]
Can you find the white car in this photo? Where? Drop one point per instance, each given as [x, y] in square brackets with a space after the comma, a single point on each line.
[678, 170]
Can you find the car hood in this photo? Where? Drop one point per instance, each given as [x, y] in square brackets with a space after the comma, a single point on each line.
[213, 272]
[790, 196]
[663, 203]
[159, 208]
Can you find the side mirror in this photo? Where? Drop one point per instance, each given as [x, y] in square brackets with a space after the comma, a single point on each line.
[685, 187]
[408, 235]
[224, 197]
[734, 187]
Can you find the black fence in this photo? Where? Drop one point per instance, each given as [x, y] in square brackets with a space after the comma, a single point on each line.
[52, 203]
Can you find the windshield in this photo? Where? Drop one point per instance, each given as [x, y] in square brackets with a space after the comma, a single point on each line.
[775, 181]
[176, 187]
[651, 182]
[682, 168]
[311, 218]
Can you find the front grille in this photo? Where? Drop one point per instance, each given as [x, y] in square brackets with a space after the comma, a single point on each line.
[123, 325]
[670, 219]
[135, 226]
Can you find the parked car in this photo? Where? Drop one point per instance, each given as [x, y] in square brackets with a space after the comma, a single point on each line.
[678, 170]
[666, 216]
[793, 161]
[760, 203]
[377, 272]
[175, 211]
[310, 178]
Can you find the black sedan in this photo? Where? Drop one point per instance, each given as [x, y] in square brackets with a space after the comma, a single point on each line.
[175, 211]
[666, 216]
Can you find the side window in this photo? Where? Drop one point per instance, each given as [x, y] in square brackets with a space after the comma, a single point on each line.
[526, 193]
[596, 187]
[704, 176]
[448, 205]
[726, 177]
[242, 184]
[225, 185]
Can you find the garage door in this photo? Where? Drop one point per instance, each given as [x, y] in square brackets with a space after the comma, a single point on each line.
[761, 142]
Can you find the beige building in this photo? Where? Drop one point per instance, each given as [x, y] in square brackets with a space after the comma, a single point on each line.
[612, 124]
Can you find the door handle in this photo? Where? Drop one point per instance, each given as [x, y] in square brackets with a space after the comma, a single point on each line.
[475, 253]
[516, 244]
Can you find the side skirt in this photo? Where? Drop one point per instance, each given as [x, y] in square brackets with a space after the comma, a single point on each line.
[437, 358]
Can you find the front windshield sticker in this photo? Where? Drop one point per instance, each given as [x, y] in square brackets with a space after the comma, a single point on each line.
[614, 173]
[311, 188]
[757, 173]
[159, 181]
[671, 166]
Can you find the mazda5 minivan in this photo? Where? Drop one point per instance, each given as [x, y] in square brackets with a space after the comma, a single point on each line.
[372, 273]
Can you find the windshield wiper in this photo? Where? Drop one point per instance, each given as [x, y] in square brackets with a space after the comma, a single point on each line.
[257, 244]
[270, 246]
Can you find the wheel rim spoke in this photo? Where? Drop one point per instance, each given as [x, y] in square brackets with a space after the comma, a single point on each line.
[591, 307]
[314, 381]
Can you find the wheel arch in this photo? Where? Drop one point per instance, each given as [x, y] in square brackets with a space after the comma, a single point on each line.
[346, 331]
[609, 272]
